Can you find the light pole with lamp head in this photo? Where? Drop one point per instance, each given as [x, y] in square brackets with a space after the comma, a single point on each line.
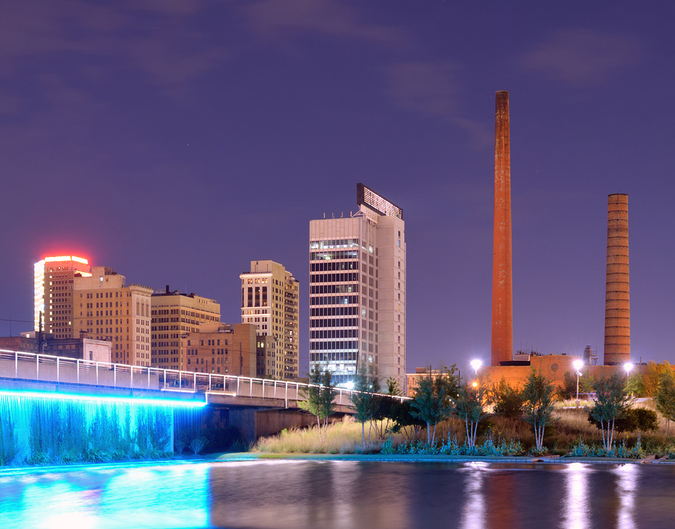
[578, 364]
[628, 367]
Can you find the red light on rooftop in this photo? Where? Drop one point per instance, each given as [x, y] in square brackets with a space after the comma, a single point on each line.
[61, 258]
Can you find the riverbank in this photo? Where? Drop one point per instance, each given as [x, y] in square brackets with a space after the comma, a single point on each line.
[364, 458]
[438, 458]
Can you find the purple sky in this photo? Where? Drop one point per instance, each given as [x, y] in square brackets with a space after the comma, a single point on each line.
[176, 140]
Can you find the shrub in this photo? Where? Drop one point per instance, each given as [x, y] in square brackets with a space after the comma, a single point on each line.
[631, 420]
[508, 402]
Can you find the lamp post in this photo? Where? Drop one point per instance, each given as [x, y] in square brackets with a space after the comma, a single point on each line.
[475, 364]
[578, 364]
[628, 366]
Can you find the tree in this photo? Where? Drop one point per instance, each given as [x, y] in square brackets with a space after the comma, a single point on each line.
[432, 403]
[400, 414]
[319, 396]
[508, 401]
[538, 398]
[650, 377]
[469, 408]
[635, 385]
[393, 387]
[569, 388]
[365, 402]
[632, 419]
[665, 397]
[612, 401]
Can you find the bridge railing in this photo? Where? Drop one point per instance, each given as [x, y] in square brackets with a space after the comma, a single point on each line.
[48, 368]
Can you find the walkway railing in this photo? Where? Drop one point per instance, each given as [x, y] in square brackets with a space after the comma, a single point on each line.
[48, 368]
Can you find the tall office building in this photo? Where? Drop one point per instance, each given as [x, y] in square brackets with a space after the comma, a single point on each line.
[269, 300]
[53, 293]
[358, 291]
[174, 315]
[104, 308]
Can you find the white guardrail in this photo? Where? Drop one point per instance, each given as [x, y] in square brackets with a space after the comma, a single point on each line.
[48, 368]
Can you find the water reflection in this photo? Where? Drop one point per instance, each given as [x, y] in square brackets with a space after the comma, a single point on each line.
[626, 487]
[299, 494]
[340, 494]
[575, 504]
[105, 498]
[473, 512]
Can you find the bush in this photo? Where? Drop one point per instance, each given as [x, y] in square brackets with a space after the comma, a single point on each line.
[631, 420]
[508, 401]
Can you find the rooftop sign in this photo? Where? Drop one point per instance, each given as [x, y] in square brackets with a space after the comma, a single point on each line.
[370, 199]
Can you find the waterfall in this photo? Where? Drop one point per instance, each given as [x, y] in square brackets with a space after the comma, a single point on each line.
[47, 430]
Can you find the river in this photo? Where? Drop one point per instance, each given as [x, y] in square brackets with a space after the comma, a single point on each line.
[340, 494]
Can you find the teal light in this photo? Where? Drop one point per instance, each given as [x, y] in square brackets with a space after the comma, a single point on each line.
[172, 403]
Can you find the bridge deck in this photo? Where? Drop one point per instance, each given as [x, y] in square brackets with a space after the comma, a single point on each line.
[215, 388]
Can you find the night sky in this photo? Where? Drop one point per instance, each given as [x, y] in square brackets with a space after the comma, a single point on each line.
[175, 141]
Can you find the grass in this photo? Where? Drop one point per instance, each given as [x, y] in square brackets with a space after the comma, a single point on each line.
[341, 438]
[570, 425]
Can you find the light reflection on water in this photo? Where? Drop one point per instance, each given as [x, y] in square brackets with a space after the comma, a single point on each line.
[575, 502]
[473, 513]
[340, 494]
[173, 496]
[626, 485]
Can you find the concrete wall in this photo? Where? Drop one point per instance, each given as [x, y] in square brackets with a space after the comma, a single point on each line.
[254, 423]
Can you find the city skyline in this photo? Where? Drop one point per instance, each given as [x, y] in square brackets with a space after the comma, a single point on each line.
[176, 142]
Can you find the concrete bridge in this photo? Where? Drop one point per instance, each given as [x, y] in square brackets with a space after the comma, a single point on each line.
[256, 406]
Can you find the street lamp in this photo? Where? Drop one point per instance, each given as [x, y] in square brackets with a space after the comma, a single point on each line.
[475, 364]
[628, 366]
[578, 364]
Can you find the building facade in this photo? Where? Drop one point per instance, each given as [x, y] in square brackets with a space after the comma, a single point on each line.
[270, 301]
[106, 309]
[46, 344]
[53, 293]
[357, 291]
[220, 348]
[174, 315]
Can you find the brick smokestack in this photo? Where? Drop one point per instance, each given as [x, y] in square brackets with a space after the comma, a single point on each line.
[502, 297]
[617, 297]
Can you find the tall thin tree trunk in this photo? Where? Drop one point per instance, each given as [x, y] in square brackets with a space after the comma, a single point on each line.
[363, 434]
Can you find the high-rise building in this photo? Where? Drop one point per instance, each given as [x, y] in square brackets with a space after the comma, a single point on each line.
[269, 300]
[104, 308]
[175, 314]
[53, 293]
[358, 291]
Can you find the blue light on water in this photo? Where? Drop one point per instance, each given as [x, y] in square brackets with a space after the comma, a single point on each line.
[168, 497]
[104, 398]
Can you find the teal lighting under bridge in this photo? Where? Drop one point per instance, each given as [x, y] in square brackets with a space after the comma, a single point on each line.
[54, 427]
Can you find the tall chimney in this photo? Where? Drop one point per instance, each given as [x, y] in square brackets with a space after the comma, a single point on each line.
[617, 296]
[502, 296]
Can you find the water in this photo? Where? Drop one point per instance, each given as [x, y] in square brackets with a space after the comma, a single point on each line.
[340, 494]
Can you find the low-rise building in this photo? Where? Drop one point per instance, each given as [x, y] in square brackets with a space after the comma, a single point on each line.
[220, 348]
[76, 348]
